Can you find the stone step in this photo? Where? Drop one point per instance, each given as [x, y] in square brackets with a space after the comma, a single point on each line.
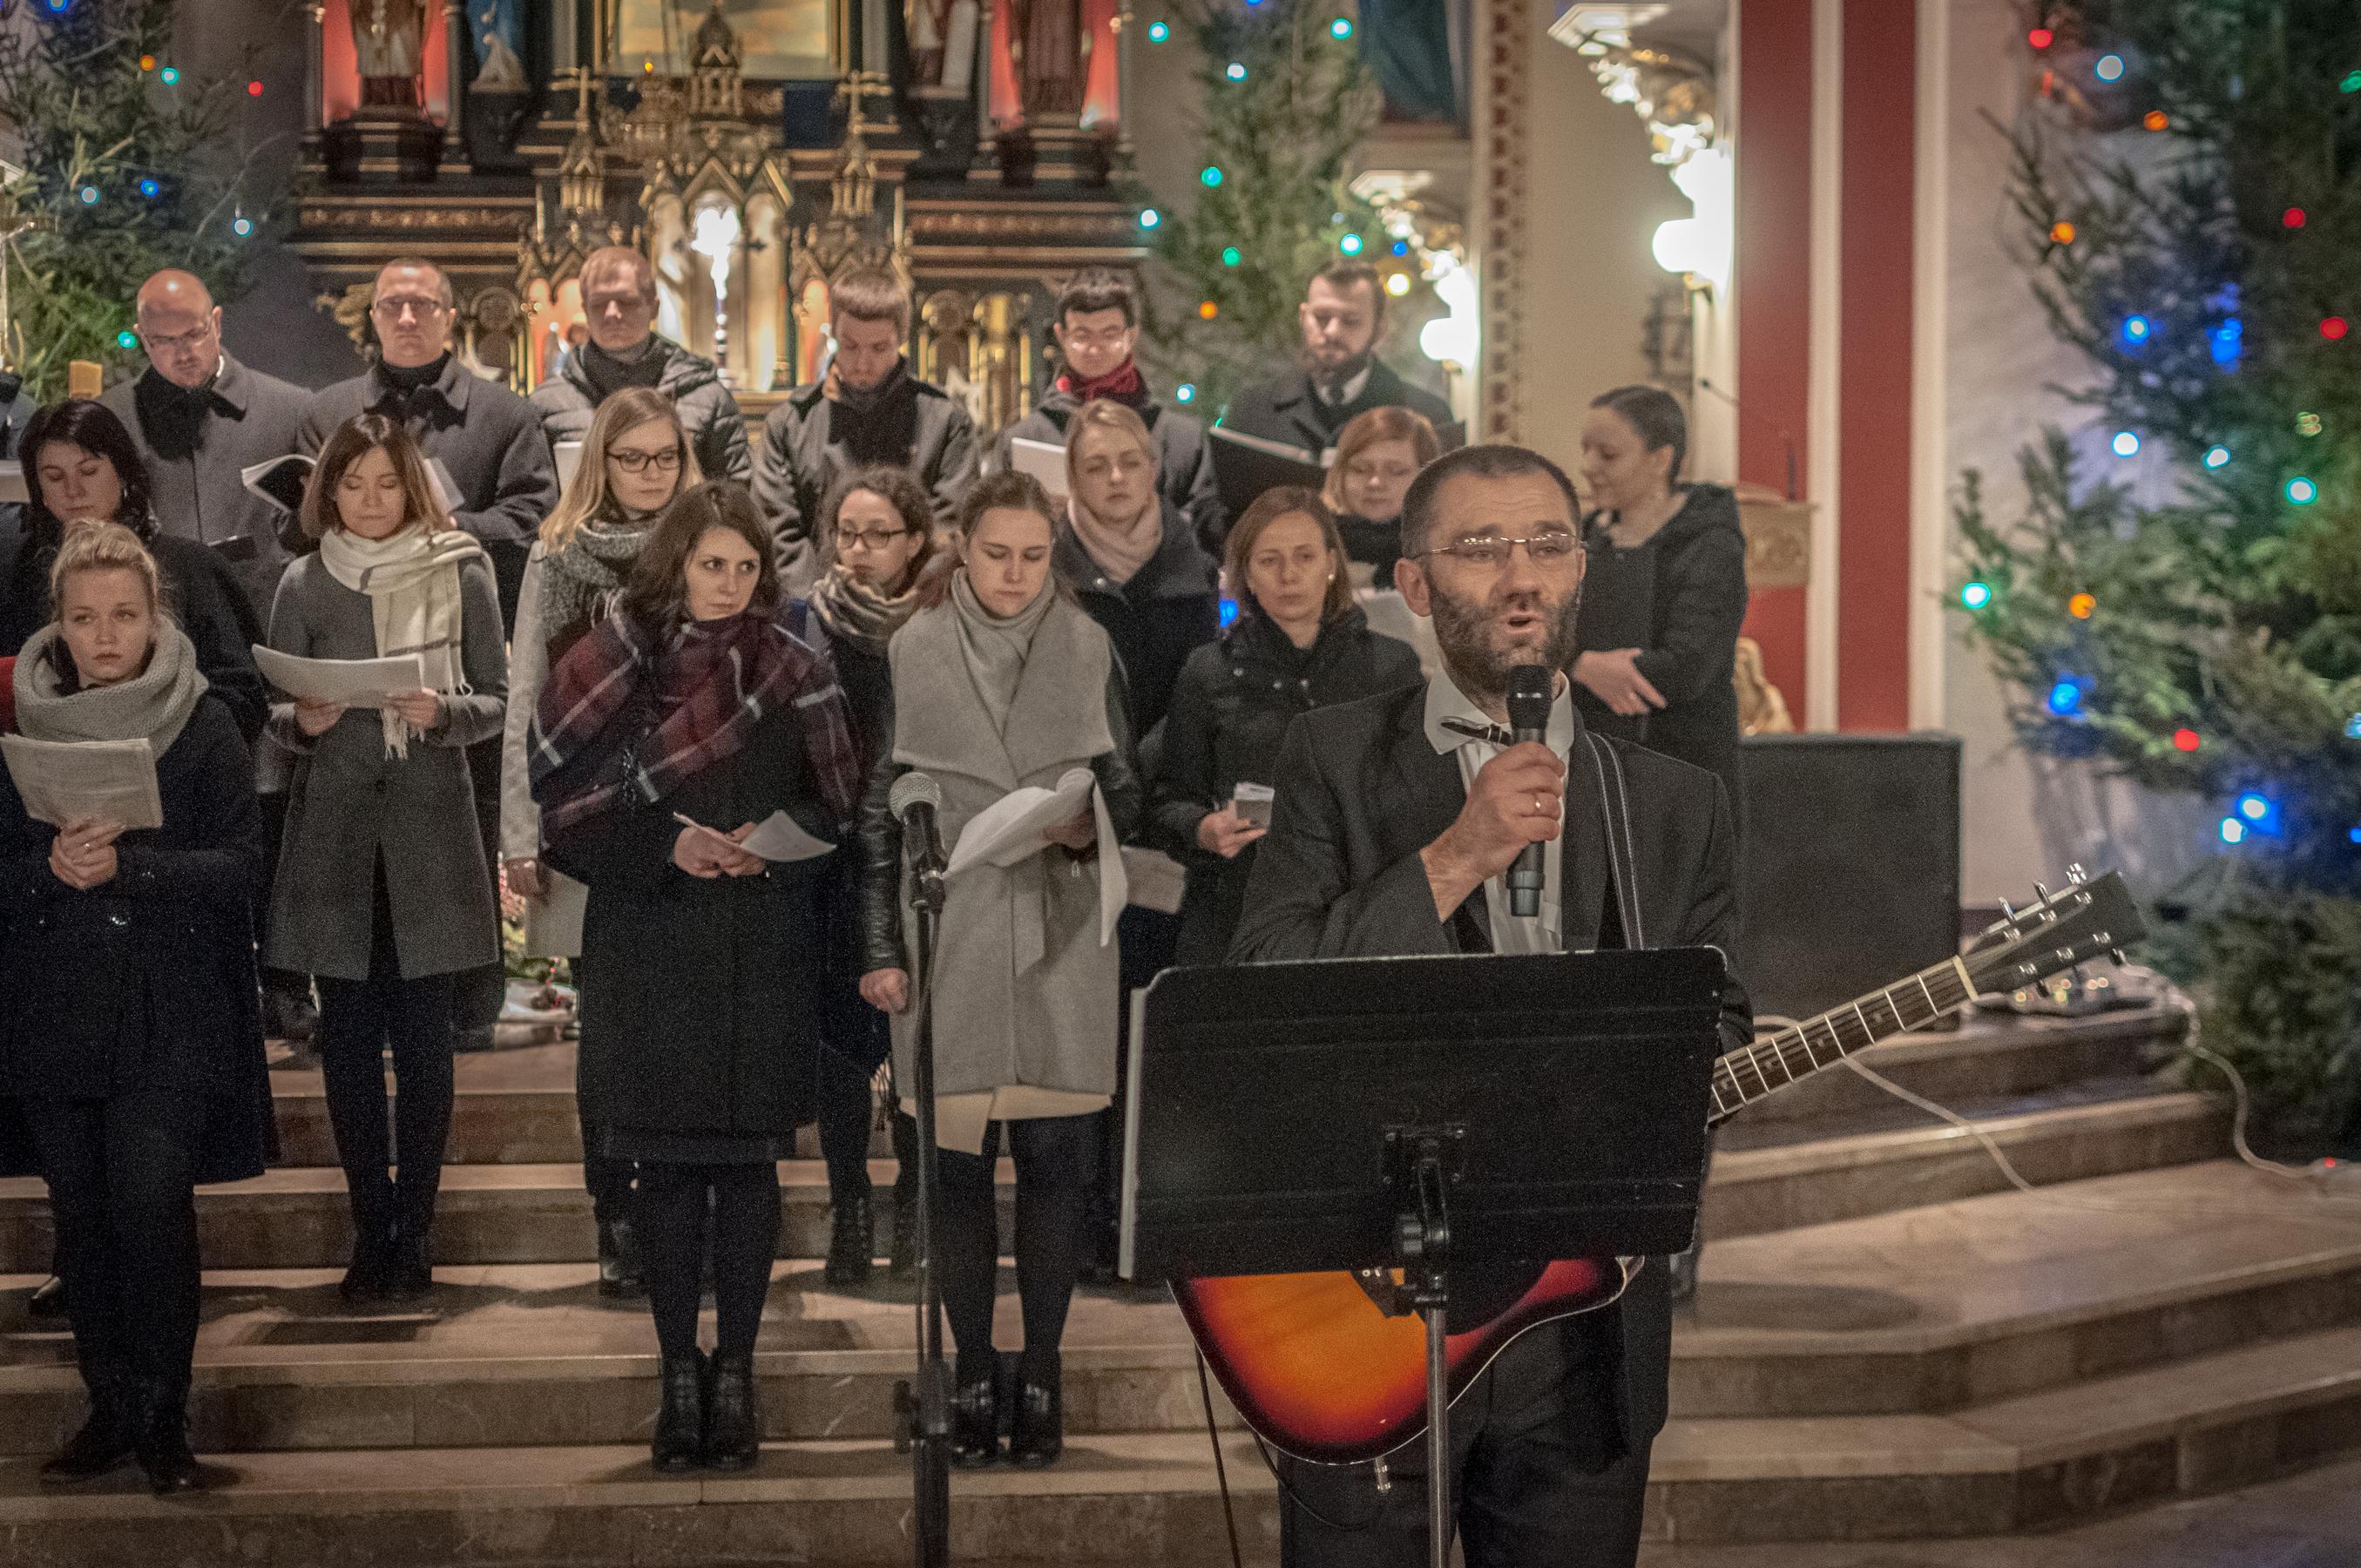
[293, 1217]
[1920, 1312]
[2037, 1462]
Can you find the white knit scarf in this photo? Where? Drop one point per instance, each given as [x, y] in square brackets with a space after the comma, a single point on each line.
[411, 579]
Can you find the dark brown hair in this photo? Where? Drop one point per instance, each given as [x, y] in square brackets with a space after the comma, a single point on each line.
[870, 295]
[1096, 288]
[354, 440]
[1345, 276]
[900, 489]
[1496, 460]
[1268, 508]
[1655, 416]
[1010, 489]
[656, 593]
[92, 426]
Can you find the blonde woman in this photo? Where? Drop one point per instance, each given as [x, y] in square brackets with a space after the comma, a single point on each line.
[130, 1040]
[382, 893]
[637, 457]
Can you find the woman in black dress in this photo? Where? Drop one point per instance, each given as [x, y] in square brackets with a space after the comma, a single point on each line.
[1300, 643]
[1666, 590]
[130, 1024]
[671, 731]
[1379, 452]
[876, 543]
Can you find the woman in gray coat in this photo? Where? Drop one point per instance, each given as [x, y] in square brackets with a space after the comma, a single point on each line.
[1008, 684]
[382, 893]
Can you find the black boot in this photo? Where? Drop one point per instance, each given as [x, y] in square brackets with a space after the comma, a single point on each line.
[1038, 1435]
[48, 1304]
[371, 1270]
[621, 1278]
[733, 1416]
[410, 1273]
[975, 1422]
[160, 1439]
[104, 1440]
[679, 1440]
[851, 1244]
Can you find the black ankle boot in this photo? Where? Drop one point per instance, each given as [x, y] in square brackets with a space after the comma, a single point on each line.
[1038, 1434]
[679, 1440]
[409, 1273]
[49, 1303]
[733, 1416]
[371, 1270]
[160, 1439]
[104, 1440]
[619, 1275]
[851, 1244]
[975, 1423]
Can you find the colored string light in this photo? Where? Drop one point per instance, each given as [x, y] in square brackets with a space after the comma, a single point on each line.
[2081, 606]
[1975, 596]
[2186, 739]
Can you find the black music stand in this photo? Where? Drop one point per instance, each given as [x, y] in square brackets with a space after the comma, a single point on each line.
[1428, 1115]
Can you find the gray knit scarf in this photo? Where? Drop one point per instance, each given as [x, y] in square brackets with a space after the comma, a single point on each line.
[580, 580]
[152, 706]
[996, 647]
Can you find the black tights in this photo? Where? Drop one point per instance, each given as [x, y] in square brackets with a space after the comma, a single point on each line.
[1056, 1159]
[678, 1206]
[359, 1020]
[120, 1177]
[846, 1108]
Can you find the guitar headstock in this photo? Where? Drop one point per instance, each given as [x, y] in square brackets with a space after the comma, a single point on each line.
[2080, 922]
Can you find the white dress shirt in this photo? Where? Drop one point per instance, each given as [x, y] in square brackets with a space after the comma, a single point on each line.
[1545, 932]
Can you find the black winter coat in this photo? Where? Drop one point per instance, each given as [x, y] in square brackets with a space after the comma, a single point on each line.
[700, 998]
[203, 590]
[1231, 711]
[1285, 409]
[850, 1027]
[1184, 460]
[1167, 610]
[1680, 598]
[148, 979]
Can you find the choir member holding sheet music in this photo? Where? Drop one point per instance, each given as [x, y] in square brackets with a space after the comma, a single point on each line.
[640, 458]
[1097, 328]
[382, 893]
[130, 1040]
[1008, 684]
[1337, 373]
[677, 737]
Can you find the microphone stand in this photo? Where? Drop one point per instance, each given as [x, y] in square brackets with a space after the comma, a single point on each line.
[923, 1417]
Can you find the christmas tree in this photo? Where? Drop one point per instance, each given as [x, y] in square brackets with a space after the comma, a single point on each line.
[2190, 190]
[1286, 100]
[129, 165]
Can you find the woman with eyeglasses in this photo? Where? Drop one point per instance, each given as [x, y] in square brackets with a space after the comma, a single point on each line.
[1665, 593]
[1379, 452]
[635, 459]
[877, 546]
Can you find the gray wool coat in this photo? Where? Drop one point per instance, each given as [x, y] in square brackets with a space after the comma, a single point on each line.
[353, 804]
[1052, 1024]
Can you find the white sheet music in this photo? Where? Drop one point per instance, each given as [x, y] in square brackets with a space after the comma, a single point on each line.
[63, 781]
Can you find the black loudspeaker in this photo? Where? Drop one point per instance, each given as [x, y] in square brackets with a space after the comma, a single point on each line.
[1848, 878]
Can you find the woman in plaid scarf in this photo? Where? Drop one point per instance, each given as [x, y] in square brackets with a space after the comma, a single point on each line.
[681, 723]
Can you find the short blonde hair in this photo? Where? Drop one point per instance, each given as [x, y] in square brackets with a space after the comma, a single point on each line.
[104, 547]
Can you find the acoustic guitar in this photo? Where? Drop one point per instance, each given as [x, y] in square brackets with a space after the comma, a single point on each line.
[1324, 1367]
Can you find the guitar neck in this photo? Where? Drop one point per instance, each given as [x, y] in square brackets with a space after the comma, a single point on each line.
[1769, 1065]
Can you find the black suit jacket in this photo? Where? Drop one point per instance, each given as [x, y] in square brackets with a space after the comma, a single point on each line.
[1361, 791]
[1285, 409]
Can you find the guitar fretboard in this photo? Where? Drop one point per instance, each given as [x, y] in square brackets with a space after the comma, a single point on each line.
[1792, 1054]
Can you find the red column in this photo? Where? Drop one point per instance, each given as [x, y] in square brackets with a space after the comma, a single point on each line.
[1773, 290]
[1881, 50]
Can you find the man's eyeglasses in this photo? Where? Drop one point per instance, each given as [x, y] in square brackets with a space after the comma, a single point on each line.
[663, 462]
[421, 310]
[174, 343]
[1554, 548]
[869, 538]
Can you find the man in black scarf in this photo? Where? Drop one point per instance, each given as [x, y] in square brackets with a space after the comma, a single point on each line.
[867, 408]
[1338, 373]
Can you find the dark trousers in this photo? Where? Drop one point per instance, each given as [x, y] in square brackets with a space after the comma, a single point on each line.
[1057, 1161]
[478, 994]
[359, 1021]
[1528, 1439]
[687, 1211]
[846, 1112]
[120, 1176]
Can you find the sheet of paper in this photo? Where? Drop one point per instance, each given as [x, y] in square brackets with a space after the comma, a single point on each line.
[1115, 879]
[356, 683]
[569, 459]
[281, 480]
[1042, 459]
[112, 781]
[1253, 802]
[1011, 828]
[776, 839]
[1156, 879]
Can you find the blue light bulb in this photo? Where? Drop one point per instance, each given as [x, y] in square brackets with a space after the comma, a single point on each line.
[2353, 727]
[1150, 217]
[2110, 68]
[2065, 696]
[2136, 331]
[2254, 807]
[1236, 71]
[1975, 596]
[1185, 392]
[2217, 457]
[2233, 830]
[2126, 443]
[2303, 491]
[1158, 31]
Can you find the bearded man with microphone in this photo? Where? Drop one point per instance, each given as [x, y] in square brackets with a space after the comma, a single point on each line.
[1412, 824]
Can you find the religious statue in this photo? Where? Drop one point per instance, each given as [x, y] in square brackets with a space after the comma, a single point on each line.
[500, 46]
[390, 45]
[1051, 53]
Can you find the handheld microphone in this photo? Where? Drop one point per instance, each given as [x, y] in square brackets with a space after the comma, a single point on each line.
[916, 801]
[1532, 692]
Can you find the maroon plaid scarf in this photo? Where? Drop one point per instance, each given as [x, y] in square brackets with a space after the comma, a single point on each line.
[681, 710]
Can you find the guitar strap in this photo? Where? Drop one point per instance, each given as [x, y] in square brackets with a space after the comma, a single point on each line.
[1622, 907]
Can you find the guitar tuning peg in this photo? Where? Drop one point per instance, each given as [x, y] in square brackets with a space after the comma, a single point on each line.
[2041, 892]
[2075, 876]
[2118, 954]
[2008, 909]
